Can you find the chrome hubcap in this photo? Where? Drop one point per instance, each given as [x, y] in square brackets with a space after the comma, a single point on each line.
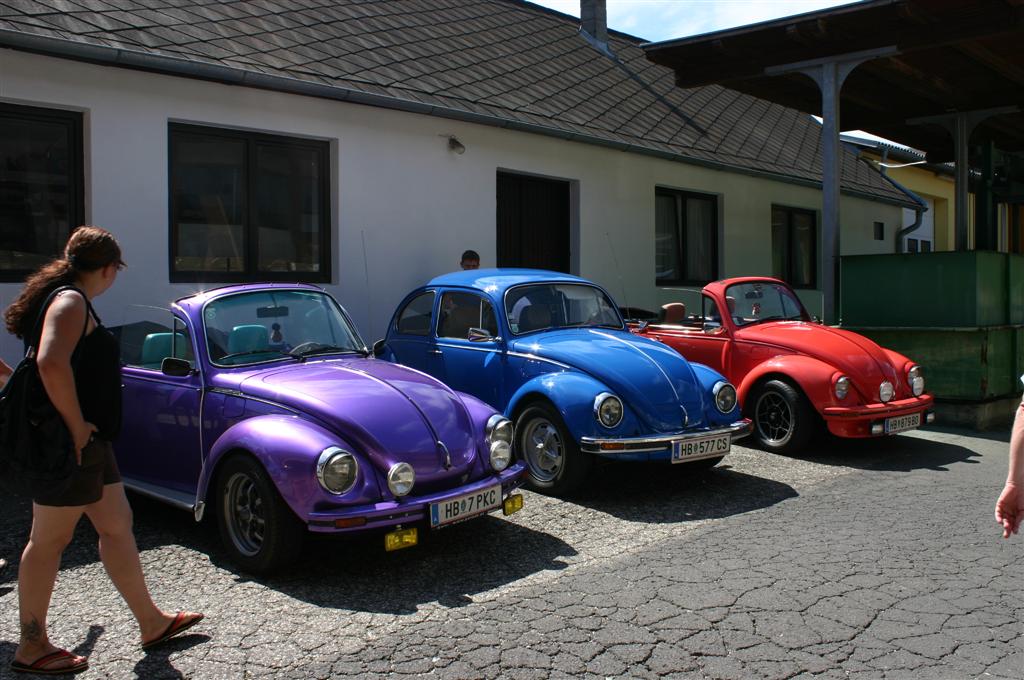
[774, 418]
[544, 450]
[243, 508]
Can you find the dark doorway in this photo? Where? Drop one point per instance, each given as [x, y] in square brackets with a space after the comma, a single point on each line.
[533, 222]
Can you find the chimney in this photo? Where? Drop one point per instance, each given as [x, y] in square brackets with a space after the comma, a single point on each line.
[594, 21]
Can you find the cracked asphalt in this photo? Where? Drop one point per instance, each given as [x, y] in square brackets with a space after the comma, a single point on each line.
[875, 559]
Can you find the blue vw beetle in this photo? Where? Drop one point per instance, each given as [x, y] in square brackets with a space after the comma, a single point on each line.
[552, 352]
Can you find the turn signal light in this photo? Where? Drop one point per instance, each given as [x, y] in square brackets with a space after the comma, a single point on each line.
[613, 446]
[512, 504]
[403, 538]
[349, 522]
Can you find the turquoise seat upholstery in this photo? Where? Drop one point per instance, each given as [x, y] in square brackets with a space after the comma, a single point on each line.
[248, 338]
[156, 346]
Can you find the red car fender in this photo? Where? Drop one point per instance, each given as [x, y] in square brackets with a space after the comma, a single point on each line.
[812, 376]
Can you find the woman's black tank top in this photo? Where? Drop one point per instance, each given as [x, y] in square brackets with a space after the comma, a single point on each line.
[96, 364]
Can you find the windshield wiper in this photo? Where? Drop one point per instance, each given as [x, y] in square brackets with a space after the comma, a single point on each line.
[327, 349]
[249, 352]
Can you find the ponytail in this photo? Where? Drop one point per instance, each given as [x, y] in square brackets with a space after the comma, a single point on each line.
[21, 315]
[88, 248]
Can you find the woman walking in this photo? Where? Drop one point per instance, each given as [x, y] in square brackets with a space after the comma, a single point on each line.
[79, 365]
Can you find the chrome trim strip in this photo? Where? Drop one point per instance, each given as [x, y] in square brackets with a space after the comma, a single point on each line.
[737, 430]
[475, 349]
[243, 395]
[178, 499]
[534, 357]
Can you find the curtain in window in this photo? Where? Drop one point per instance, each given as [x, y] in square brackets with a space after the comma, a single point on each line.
[210, 192]
[803, 249]
[666, 239]
[780, 244]
[700, 234]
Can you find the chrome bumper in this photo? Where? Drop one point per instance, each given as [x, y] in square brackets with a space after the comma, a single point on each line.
[738, 430]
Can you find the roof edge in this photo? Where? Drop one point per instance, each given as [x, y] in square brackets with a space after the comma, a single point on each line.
[175, 66]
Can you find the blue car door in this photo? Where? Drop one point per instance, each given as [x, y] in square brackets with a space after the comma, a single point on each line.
[410, 340]
[475, 366]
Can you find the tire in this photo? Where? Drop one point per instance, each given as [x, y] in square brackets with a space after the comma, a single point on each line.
[554, 463]
[783, 420]
[257, 527]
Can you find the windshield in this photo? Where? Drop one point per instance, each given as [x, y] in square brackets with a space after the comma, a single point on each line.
[559, 305]
[758, 301]
[257, 327]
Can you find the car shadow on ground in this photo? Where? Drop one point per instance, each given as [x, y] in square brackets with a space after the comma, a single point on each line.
[448, 566]
[666, 493]
[898, 453]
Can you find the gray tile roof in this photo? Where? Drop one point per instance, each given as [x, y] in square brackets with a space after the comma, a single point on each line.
[505, 62]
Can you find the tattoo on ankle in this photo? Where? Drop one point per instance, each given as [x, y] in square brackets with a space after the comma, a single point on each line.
[32, 631]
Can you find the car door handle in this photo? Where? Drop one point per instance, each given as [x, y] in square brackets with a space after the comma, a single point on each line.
[435, 351]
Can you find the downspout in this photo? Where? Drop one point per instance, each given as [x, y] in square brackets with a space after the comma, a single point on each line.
[919, 211]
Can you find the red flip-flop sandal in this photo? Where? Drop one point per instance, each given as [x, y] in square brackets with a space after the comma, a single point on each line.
[39, 666]
[182, 622]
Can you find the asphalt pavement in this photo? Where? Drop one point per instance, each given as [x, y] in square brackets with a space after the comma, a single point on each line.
[875, 559]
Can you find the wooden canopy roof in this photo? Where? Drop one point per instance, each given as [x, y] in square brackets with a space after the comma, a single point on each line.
[943, 56]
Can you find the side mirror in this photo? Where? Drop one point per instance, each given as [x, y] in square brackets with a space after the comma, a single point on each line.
[379, 347]
[480, 335]
[173, 366]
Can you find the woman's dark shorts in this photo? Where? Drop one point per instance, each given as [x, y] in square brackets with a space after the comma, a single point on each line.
[98, 469]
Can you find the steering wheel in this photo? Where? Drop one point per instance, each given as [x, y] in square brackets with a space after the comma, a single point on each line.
[299, 349]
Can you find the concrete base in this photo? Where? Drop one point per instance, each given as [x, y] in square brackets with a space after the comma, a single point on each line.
[994, 414]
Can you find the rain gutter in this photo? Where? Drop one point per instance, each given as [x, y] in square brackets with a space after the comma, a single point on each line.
[177, 66]
[920, 208]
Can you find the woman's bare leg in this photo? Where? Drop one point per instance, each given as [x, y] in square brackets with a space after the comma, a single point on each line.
[112, 517]
[52, 529]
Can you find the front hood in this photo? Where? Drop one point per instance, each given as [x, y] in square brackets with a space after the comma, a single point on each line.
[651, 378]
[391, 413]
[863, 361]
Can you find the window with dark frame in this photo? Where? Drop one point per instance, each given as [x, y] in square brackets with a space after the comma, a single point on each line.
[248, 207]
[41, 186]
[686, 237]
[795, 246]
[879, 231]
[912, 244]
[926, 246]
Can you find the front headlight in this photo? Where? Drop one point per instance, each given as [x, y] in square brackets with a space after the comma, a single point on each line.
[725, 396]
[499, 429]
[336, 470]
[915, 378]
[842, 387]
[885, 391]
[401, 477]
[608, 409]
[501, 455]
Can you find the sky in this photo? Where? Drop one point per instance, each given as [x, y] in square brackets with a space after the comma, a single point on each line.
[657, 20]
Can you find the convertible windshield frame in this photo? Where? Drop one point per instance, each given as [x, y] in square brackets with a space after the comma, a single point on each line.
[782, 289]
[581, 284]
[274, 356]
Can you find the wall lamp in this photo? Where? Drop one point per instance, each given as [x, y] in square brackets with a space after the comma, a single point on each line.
[455, 145]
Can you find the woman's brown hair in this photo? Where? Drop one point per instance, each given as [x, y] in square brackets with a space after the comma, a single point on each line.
[88, 249]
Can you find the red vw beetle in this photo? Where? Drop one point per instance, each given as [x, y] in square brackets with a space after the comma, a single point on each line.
[791, 373]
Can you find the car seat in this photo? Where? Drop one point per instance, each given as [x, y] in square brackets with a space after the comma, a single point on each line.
[458, 321]
[534, 317]
[248, 338]
[673, 314]
[157, 346]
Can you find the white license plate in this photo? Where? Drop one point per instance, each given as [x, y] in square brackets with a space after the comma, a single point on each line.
[902, 423]
[716, 445]
[465, 506]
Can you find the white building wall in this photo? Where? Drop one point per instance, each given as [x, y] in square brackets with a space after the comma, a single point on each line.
[396, 188]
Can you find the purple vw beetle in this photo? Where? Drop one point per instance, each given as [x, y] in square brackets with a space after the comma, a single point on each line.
[261, 404]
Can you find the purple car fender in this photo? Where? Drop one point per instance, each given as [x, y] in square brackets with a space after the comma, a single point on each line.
[288, 448]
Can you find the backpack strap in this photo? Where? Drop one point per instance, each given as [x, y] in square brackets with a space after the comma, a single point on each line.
[38, 327]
